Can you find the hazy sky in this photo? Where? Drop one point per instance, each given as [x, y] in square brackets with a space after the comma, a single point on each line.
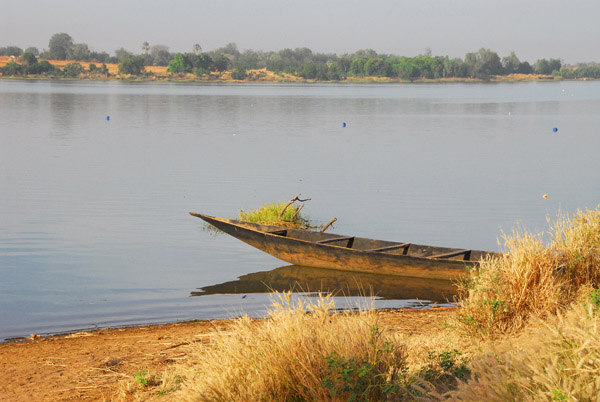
[534, 29]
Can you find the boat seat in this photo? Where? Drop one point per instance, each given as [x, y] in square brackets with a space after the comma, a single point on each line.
[390, 248]
[280, 232]
[467, 254]
[350, 240]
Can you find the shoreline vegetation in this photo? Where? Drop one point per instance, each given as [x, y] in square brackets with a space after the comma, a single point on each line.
[526, 327]
[65, 59]
[83, 71]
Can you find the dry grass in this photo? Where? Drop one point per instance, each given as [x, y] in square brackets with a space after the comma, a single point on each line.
[532, 279]
[291, 355]
[308, 351]
[557, 360]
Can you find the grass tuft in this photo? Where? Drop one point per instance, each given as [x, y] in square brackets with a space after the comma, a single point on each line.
[532, 279]
[268, 214]
[556, 360]
[305, 351]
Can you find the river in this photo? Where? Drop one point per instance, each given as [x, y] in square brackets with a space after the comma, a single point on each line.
[97, 178]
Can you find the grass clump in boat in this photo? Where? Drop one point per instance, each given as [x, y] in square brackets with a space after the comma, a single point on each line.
[271, 214]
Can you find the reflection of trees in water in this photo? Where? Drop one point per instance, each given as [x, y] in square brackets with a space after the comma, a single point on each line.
[71, 114]
[61, 112]
[305, 279]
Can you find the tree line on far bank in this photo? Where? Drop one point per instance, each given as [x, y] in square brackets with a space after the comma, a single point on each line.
[301, 62]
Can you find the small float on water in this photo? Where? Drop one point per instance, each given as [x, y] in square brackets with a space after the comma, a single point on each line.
[351, 253]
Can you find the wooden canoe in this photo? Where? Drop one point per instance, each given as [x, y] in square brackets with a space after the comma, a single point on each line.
[350, 253]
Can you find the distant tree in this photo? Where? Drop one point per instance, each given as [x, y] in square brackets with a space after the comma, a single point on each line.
[555, 65]
[221, 62]
[365, 53]
[31, 66]
[334, 72]
[33, 50]
[483, 63]
[344, 64]
[406, 69]
[29, 59]
[375, 67]
[131, 64]
[197, 49]
[309, 71]
[145, 47]
[73, 69]
[179, 65]
[248, 60]
[582, 70]
[119, 53]
[511, 63]
[101, 57]
[429, 67]
[11, 69]
[160, 55]
[525, 68]
[459, 68]
[357, 66]
[104, 69]
[201, 61]
[229, 49]
[322, 72]
[303, 54]
[543, 66]
[11, 51]
[59, 46]
[80, 52]
[45, 67]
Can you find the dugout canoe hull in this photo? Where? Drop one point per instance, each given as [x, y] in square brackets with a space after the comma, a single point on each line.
[350, 253]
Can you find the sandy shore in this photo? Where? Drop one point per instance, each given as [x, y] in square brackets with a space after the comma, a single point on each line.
[91, 366]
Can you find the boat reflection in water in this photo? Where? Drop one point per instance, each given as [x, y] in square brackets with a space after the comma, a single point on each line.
[339, 283]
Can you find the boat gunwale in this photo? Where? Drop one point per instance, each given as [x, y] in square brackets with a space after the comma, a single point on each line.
[257, 227]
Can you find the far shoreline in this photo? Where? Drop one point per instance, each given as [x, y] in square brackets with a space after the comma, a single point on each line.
[297, 80]
[160, 74]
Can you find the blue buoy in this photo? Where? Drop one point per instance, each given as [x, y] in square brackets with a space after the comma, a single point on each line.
[555, 129]
[107, 118]
[344, 124]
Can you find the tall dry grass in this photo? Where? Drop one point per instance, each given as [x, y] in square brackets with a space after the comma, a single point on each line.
[532, 279]
[556, 360]
[302, 352]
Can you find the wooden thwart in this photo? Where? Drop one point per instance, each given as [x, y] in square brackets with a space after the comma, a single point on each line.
[390, 248]
[349, 238]
[282, 232]
[452, 254]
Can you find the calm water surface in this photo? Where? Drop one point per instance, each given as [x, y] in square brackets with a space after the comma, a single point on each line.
[94, 229]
